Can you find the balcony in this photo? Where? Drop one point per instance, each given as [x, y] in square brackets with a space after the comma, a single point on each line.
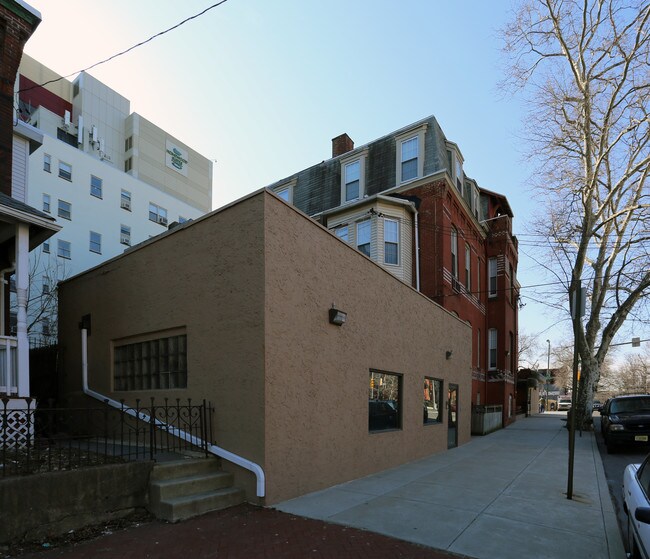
[8, 366]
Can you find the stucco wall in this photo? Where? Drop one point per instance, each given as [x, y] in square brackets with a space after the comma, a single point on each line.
[317, 374]
[252, 285]
[207, 278]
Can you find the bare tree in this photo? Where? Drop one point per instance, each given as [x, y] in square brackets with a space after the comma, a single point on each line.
[632, 376]
[587, 65]
[528, 350]
[45, 271]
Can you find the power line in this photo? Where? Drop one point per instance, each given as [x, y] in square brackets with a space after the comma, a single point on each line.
[129, 49]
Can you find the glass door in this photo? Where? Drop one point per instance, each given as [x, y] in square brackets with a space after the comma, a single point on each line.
[452, 416]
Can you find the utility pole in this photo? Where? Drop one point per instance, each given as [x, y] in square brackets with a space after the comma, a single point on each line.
[578, 303]
[548, 370]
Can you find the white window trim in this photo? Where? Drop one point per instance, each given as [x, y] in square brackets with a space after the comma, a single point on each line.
[289, 186]
[99, 242]
[399, 140]
[356, 236]
[161, 220]
[492, 346]
[399, 250]
[65, 171]
[491, 293]
[125, 205]
[454, 252]
[60, 242]
[338, 230]
[361, 157]
[468, 268]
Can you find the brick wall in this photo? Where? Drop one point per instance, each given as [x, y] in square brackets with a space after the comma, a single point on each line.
[16, 26]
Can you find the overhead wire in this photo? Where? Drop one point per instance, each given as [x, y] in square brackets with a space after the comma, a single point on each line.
[121, 53]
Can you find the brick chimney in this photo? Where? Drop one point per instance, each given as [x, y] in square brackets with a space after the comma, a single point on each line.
[341, 144]
[17, 22]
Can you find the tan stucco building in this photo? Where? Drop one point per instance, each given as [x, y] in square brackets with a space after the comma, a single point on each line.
[244, 294]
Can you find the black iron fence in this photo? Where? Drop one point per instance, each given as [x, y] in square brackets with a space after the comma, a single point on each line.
[40, 438]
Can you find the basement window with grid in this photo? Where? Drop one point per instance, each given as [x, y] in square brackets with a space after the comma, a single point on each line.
[153, 364]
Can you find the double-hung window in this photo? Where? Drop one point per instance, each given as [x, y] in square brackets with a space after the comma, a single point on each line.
[95, 186]
[46, 203]
[125, 235]
[459, 175]
[468, 268]
[409, 158]
[47, 162]
[95, 242]
[492, 277]
[454, 253]
[125, 200]
[65, 209]
[65, 171]
[363, 237]
[157, 214]
[63, 249]
[391, 241]
[492, 349]
[342, 232]
[352, 180]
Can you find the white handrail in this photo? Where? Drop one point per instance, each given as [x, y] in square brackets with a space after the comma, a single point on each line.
[213, 449]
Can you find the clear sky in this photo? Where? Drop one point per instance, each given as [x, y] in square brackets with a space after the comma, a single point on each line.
[262, 87]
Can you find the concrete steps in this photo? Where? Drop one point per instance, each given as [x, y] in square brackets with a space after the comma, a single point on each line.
[185, 488]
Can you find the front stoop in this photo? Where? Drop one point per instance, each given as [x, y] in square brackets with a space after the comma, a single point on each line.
[186, 488]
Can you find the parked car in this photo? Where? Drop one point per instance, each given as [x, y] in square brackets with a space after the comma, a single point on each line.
[382, 415]
[563, 403]
[625, 420]
[597, 405]
[636, 488]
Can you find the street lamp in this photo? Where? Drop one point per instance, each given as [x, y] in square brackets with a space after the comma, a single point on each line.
[548, 369]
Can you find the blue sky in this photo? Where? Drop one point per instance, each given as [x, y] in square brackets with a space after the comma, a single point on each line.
[262, 87]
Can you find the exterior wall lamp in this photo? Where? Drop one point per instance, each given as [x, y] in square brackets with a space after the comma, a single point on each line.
[337, 316]
[448, 354]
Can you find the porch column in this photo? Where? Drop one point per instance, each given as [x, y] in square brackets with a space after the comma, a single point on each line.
[22, 287]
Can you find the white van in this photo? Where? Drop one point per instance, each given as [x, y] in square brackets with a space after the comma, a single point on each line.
[563, 403]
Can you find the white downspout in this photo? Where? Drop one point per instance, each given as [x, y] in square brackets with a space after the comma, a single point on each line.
[216, 450]
[417, 253]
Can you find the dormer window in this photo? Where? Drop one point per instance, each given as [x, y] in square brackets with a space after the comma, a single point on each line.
[409, 159]
[353, 176]
[352, 180]
[409, 147]
[458, 174]
[285, 191]
[476, 203]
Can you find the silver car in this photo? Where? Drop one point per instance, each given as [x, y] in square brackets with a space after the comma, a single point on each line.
[636, 495]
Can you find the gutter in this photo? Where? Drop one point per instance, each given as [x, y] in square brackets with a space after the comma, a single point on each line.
[213, 449]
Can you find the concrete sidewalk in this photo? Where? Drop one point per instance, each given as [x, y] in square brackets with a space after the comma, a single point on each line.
[502, 495]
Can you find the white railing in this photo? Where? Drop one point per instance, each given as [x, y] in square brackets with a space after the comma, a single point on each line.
[8, 365]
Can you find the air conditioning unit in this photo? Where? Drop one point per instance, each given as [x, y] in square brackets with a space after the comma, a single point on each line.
[125, 239]
[126, 205]
[162, 220]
